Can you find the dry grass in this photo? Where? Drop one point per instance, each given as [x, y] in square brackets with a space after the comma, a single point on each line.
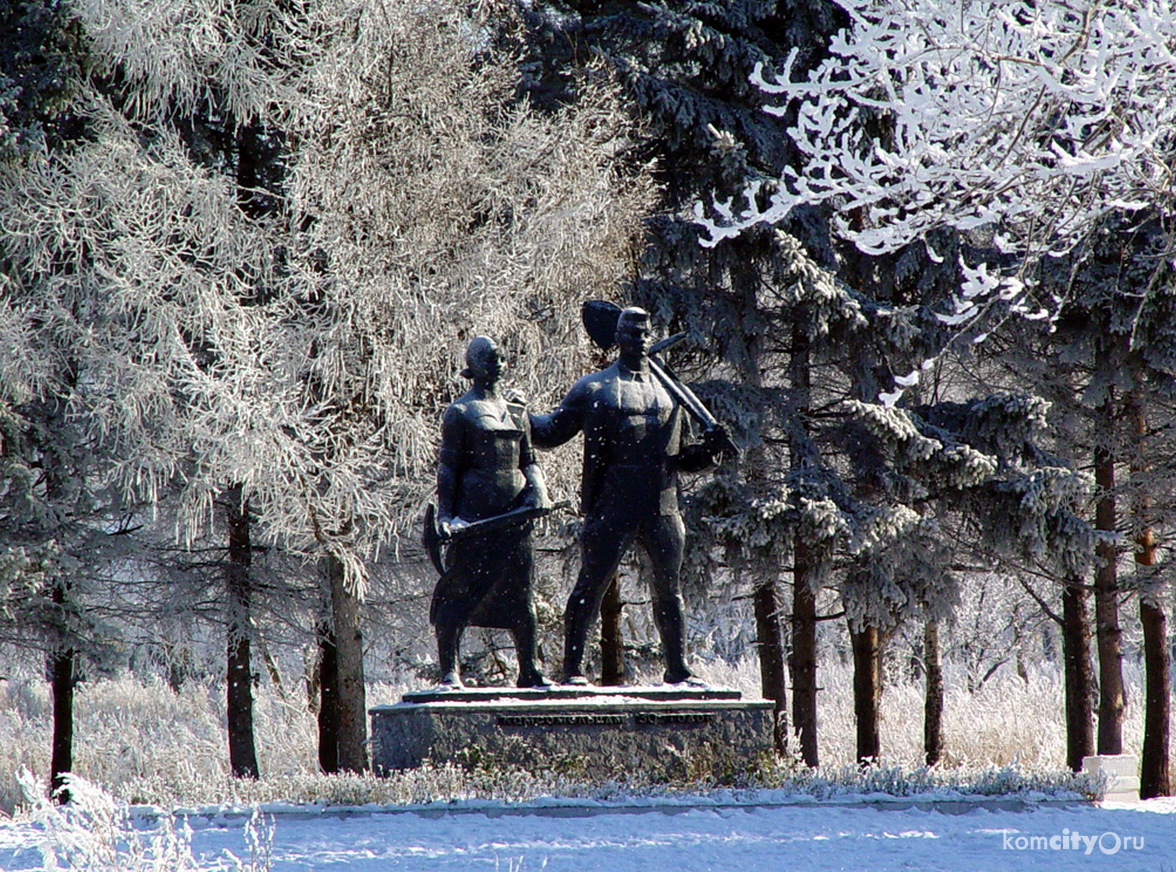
[149, 744]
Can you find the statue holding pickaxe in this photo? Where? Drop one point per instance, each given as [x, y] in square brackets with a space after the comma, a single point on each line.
[489, 491]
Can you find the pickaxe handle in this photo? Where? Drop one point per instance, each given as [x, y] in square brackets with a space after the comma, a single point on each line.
[507, 519]
[683, 395]
[690, 402]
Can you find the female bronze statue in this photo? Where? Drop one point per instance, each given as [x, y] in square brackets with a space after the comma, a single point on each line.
[486, 471]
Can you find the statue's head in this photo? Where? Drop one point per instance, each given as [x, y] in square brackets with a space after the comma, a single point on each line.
[483, 360]
[633, 331]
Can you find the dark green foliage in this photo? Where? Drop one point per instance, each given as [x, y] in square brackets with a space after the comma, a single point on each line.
[799, 336]
[41, 59]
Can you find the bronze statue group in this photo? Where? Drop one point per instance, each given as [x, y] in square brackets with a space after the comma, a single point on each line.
[490, 488]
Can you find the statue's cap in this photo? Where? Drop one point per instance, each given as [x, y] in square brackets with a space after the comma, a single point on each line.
[632, 315]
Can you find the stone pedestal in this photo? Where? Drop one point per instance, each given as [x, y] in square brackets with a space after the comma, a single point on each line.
[660, 731]
[1122, 771]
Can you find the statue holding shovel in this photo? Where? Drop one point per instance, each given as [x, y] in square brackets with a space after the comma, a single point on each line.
[631, 415]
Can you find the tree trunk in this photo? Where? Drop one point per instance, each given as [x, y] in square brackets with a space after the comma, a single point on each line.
[768, 623]
[612, 644]
[1154, 760]
[933, 701]
[239, 674]
[1106, 592]
[803, 665]
[771, 656]
[804, 660]
[328, 704]
[1079, 672]
[867, 692]
[352, 699]
[61, 667]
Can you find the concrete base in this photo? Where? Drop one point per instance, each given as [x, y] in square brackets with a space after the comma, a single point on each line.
[1122, 772]
[660, 731]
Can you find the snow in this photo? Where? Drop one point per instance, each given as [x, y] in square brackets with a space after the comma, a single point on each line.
[758, 831]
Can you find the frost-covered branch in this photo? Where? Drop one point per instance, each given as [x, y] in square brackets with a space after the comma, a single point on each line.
[1025, 121]
[1016, 124]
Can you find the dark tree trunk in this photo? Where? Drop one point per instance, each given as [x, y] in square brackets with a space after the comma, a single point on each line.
[1079, 672]
[239, 674]
[1155, 762]
[1154, 759]
[867, 692]
[1106, 593]
[771, 656]
[804, 582]
[612, 644]
[804, 660]
[933, 701]
[61, 669]
[328, 704]
[351, 703]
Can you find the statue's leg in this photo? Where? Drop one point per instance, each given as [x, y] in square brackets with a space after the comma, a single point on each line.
[602, 548]
[516, 590]
[524, 639]
[448, 647]
[664, 537]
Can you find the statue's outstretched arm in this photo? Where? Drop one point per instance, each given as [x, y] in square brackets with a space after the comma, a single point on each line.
[556, 428]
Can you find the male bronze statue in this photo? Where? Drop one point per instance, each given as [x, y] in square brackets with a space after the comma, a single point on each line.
[633, 452]
[488, 489]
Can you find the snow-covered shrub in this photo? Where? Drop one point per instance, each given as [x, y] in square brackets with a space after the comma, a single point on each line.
[96, 831]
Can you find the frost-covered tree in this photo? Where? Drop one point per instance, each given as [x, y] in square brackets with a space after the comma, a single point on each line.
[51, 514]
[437, 205]
[269, 247]
[1013, 128]
[52, 540]
[803, 334]
[1018, 125]
[132, 258]
[1108, 368]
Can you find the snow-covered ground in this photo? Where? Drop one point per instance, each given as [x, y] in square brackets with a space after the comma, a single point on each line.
[761, 832]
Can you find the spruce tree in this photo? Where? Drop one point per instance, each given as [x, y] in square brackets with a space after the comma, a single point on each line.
[805, 336]
[1109, 368]
[1037, 128]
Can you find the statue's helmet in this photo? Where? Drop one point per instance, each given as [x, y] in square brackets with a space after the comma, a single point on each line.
[482, 358]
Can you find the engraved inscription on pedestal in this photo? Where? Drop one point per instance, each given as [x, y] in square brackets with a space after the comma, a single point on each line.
[646, 730]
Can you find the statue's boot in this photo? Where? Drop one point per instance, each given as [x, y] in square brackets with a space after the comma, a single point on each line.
[671, 626]
[524, 639]
[578, 619]
[448, 640]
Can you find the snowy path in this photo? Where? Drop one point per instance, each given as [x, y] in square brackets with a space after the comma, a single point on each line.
[796, 838]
